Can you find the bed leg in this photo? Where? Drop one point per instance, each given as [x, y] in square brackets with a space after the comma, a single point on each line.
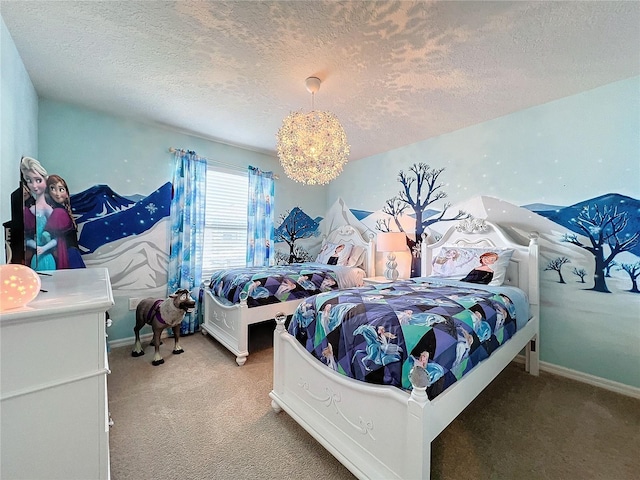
[417, 463]
[241, 360]
[532, 359]
[278, 356]
[276, 408]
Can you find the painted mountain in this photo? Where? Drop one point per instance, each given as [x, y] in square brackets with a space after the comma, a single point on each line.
[296, 225]
[566, 216]
[339, 215]
[103, 216]
[360, 214]
[364, 216]
[541, 207]
[519, 222]
[137, 265]
[292, 234]
[98, 201]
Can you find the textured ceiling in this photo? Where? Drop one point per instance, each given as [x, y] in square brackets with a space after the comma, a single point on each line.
[393, 72]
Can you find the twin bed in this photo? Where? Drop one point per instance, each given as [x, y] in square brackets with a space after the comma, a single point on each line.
[238, 298]
[376, 373]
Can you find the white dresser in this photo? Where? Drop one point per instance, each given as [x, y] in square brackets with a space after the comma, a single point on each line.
[54, 417]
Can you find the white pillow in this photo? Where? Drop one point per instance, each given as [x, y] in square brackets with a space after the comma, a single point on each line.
[357, 256]
[461, 263]
[334, 253]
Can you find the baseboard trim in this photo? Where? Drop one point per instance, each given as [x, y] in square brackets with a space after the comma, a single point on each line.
[131, 340]
[600, 382]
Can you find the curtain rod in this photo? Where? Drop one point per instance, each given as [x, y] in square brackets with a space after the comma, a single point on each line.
[217, 162]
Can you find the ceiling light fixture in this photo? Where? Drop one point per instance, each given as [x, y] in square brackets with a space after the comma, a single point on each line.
[312, 147]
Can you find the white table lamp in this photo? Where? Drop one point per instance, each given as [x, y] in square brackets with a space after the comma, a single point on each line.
[391, 242]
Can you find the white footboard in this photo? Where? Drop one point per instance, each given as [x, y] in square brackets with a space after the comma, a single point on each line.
[355, 421]
[229, 325]
[377, 432]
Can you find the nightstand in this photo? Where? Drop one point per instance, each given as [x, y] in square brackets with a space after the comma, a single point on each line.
[375, 280]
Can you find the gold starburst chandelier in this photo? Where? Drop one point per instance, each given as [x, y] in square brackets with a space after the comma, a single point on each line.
[312, 147]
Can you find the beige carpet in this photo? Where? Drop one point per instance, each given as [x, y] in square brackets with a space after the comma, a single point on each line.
[200, 416]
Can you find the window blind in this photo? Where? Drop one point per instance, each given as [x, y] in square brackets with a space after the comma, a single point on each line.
[225, 236]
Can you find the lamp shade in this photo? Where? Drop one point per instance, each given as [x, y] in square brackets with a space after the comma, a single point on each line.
[18, 286]
[391, 242]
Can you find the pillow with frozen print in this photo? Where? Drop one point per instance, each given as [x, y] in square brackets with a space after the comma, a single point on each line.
[474, 265]
[334, 253]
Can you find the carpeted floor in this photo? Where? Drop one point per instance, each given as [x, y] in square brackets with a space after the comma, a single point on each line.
[200, 416]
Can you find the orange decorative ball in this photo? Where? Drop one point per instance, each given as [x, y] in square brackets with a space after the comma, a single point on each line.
[18, 286]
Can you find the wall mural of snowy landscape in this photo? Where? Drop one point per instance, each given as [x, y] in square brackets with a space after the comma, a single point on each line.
[589, 253]
[594, 243]
[127, 235]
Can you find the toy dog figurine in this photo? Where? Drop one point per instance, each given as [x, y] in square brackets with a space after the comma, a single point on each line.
[161, 314]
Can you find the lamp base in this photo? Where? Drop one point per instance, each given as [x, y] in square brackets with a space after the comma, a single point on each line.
[390, 272]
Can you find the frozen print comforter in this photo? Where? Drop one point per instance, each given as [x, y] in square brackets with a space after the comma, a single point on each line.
[376, 333]
[279, 283]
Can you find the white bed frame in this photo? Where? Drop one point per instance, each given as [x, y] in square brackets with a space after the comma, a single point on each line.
[229, 325]
[384, 432]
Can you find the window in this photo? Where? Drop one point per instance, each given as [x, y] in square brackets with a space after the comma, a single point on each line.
[225, 234]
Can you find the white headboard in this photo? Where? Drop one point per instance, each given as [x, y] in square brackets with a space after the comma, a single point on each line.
[348, 234]
[522, 271]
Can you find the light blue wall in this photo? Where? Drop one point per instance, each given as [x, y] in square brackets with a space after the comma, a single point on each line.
[18, 121]
[87, 148]
[134, 158]
[560, 153]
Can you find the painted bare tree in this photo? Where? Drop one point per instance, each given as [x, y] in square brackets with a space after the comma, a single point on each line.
[633, 270]
[612, 265]
[294, 226]
[300, 255]
[579, 272]
[604, 227]
[556, 265]
[420, 188]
